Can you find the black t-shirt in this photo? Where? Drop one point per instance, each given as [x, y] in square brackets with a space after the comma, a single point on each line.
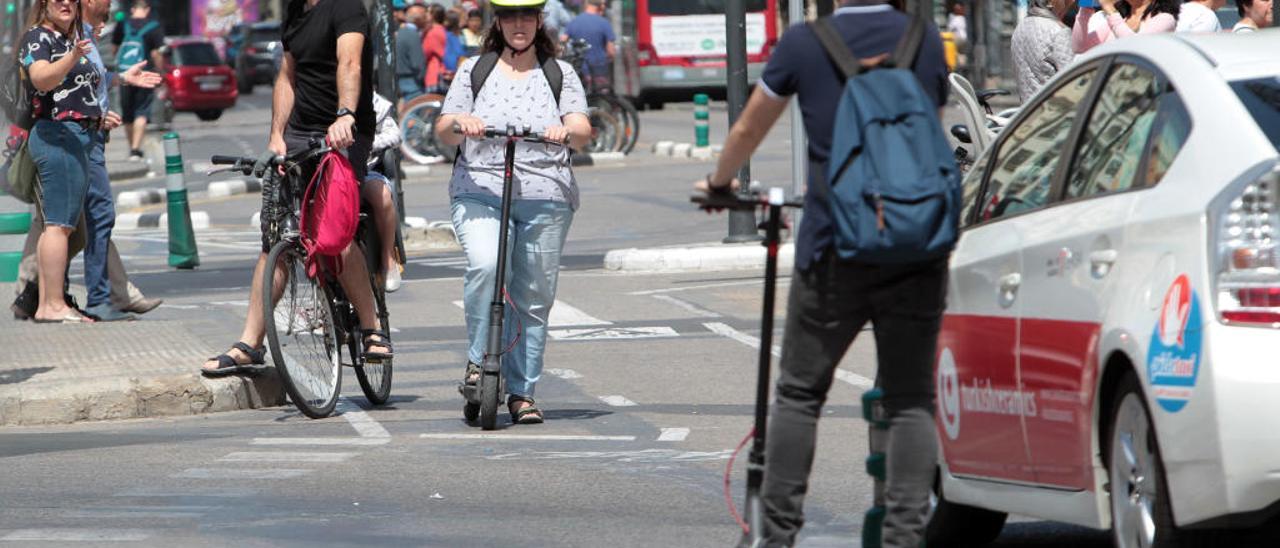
[800, 66]
[311, 36]
[152, 40]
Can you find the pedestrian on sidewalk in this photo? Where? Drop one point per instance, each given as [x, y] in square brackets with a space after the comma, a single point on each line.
[1200, 16]
[545, 192]
[111, 297]
[411, 65]
[66, 110]
[324, 88]
[1254, 15]
[832, 298]
[1041, 45]
[597, 31]
[1122, 18]
[138, 40]
[435, 40]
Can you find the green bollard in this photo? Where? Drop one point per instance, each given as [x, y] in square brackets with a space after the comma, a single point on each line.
[12, 224]
[701, 121]
[182, 238]
[876, 464]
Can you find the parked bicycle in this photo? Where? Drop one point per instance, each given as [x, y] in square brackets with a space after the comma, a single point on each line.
[615, 122]
[417, 130]
[312, 329]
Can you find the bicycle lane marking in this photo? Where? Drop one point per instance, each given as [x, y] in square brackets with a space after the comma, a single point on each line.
[848, 377]
[365, 425]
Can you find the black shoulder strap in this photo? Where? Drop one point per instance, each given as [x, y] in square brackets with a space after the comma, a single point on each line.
[904, 55]
[555, 76]
[834, 44]
[480, 72]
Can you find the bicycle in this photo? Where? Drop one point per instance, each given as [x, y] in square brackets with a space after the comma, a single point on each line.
[309, 321]
[483, 398]
[614, 120]
[417, 130]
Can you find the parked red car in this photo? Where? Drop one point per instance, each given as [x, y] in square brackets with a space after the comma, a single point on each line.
[196, 79]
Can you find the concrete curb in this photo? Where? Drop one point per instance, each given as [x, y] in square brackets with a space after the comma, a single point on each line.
[125, 170]
[685, 150]
[138, 198]
[138, 221]
[598, 159]
[411, 169]
[114, 398]
[435, 236]
[712, 257]
[233, 187]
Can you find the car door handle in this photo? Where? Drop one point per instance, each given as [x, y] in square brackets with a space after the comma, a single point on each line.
[1010, 283]
[1103, 257]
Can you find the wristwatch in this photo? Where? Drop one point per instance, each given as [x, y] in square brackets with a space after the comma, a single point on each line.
[344, 111]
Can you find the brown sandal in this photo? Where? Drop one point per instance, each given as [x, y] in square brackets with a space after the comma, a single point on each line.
[530, 414]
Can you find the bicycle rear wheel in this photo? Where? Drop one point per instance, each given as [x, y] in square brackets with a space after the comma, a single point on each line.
[302, 332]
[375, 378]
[606, 129]
[631, 123]
[417, 132]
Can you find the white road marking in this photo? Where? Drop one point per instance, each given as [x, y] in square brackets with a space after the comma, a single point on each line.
[78, 535]
[562, 314]
[320, 441]
[567, 374]
[645, 455]
[210, 492]
[610, 333]
[697, 310]
[240, 473]
[848, 377]
[749, 340]
[361, 421]
[160, 512]
[781, 281]
[529, 437]
[285, 456]
[617, 401]
[673, 434]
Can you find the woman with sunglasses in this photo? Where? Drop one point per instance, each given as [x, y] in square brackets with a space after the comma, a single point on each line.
[68, 113]
[517, 92]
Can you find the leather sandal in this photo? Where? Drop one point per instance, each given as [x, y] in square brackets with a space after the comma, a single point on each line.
[376, 337]
[228, 365]
[529, 415]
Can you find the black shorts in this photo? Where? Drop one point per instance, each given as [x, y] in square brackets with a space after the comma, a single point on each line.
[135, 103]
[296, 141]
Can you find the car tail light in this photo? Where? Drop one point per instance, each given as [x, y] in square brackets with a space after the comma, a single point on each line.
[1248, 251]
[645, 55]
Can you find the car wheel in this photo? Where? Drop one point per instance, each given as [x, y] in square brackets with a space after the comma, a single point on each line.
[1140, 512]
[208, 115]
[953, 524]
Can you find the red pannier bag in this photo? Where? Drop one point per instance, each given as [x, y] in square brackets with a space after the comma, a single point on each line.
[330, 213]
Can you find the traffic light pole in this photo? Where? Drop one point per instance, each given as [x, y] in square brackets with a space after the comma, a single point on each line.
[742, 224]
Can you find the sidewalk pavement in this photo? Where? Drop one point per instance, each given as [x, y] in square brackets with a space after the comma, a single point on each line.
[120, 168]
[56, 374]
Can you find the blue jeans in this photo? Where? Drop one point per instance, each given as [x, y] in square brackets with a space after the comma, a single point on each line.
[61, 154]
[538, 230]
[100, 219]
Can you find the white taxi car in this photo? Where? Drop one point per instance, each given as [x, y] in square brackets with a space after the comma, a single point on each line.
[1110, 355]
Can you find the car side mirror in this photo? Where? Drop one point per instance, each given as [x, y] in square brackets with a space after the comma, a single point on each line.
[961, 133]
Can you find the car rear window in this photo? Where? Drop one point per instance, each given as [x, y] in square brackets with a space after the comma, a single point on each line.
[1262, 98]
[697, 7]
[264, 35]
[196, 55]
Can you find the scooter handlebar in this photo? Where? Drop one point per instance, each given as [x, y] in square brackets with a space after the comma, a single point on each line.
[522, 133]
[730, 200]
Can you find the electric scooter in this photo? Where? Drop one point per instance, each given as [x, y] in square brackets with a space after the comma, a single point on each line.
[775, 200]
[484, 397]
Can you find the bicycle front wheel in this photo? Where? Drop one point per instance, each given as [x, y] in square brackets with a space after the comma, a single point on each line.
[606, 128]
[417, 133]
[301, 332]
[631, 118]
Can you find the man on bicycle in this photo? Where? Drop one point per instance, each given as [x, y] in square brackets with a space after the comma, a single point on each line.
[321, 90]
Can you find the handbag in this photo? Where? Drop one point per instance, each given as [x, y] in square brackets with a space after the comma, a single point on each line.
[22, 177]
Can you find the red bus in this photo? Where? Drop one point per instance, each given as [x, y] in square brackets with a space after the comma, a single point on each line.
[668, 49]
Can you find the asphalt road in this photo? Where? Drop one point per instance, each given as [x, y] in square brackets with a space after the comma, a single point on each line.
[648, 388]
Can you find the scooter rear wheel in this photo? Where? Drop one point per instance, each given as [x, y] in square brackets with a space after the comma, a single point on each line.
[489, 401]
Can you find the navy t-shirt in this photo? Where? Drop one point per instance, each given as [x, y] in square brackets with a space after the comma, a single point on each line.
[800, 65]
[597, 31]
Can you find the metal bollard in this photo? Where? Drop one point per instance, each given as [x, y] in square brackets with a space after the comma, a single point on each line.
[701, 120]
[878, 437]
[182, 238]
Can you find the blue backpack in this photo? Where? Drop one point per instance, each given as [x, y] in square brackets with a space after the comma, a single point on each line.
[894, 189]
[133, 48]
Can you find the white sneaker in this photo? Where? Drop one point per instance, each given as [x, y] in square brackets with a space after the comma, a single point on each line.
[392, 283]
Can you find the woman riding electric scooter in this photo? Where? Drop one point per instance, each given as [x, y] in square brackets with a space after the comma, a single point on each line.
[521, 91]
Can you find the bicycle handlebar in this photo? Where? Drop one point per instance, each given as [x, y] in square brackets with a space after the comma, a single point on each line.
[729, 200]
[244, 164]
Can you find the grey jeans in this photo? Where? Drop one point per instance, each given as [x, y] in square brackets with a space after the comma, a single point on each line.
[829, 304]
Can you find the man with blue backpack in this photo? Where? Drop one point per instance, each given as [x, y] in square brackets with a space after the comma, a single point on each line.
[881, 218]
[138, 40]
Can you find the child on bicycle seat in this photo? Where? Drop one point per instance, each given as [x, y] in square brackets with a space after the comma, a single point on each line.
[381, 198]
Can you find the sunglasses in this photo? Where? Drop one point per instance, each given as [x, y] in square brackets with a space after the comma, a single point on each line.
[72, 2]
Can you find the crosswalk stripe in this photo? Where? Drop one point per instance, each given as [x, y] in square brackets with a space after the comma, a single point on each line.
[285, 456]
[530, 437]
[562, 315]
[848, 377]
[617, 401]
[240, 473]
[361, 421]
[78, 535]
[320, 441]
[673, 434]
[209, 492]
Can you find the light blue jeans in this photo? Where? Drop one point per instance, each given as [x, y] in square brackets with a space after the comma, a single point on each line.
[538, 230]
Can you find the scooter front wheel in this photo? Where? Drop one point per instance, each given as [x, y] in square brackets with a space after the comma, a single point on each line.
[489, 396]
